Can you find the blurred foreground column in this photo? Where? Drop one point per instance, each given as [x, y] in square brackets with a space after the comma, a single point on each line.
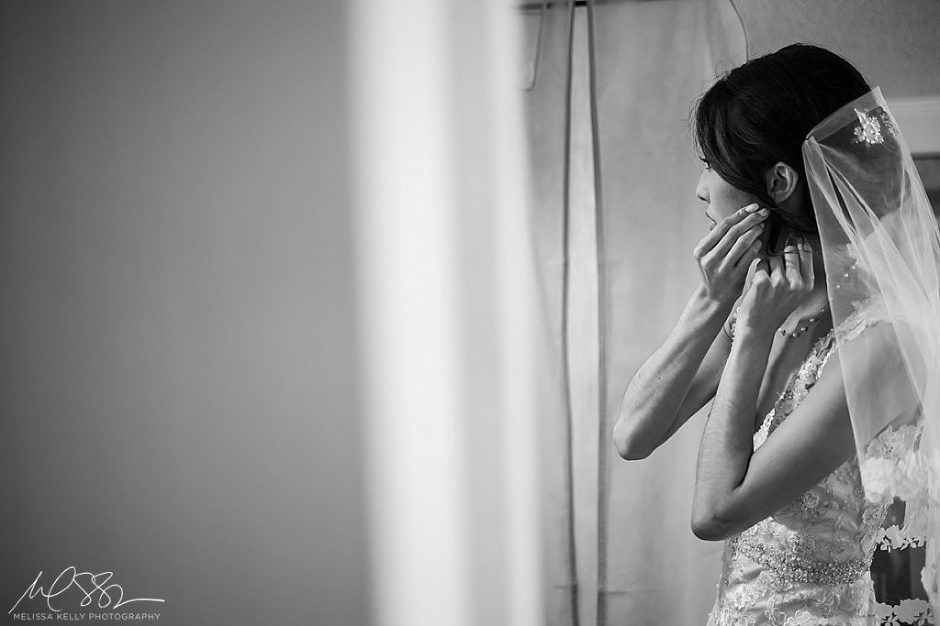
[449, 326]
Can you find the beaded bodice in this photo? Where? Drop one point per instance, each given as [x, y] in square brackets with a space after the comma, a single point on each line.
[807, 563]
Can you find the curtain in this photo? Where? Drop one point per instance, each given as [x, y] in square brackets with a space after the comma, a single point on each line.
[547, 114]
[614, 173]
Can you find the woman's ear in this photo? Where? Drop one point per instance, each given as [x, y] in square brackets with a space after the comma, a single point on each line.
[781, 181]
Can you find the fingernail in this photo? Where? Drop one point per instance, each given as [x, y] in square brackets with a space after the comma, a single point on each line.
[765, 211]
[750, 208]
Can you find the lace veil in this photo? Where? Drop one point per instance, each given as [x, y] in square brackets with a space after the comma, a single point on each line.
[881, 251]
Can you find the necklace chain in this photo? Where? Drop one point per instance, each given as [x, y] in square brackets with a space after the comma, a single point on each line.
[804, 325]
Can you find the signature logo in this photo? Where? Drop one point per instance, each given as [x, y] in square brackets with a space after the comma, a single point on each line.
[91, 585]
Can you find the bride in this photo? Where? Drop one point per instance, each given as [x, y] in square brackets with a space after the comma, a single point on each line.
[783, 322]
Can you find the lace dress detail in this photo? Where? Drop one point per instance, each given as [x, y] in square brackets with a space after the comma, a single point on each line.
[809, 562]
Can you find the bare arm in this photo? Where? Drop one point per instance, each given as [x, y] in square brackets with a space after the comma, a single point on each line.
[677, 380]
[736, 487]
[682, 374]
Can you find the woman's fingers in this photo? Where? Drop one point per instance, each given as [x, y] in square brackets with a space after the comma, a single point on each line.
[752, 225]
[806, 263]
[745, 249]
[756, 264]
[776, 269]
[735, 224]
[798, 257]
[792, 264]
[730, 245]
[751, 253]
[780, 283]
[735, 247]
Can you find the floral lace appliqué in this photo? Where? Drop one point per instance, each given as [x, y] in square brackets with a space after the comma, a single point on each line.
[909, 611]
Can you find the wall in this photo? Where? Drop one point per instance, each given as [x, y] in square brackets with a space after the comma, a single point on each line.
[178, 388]
[894, 44]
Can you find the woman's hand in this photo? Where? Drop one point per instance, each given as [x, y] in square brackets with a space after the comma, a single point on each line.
[777, 286]
[725, 254]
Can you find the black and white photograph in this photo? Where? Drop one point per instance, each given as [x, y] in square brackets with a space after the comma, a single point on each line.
[486, 313]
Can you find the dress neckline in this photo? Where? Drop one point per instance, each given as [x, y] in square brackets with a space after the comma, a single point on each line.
[823, 344]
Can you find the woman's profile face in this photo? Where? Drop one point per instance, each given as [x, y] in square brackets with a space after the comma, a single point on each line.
[722, 198]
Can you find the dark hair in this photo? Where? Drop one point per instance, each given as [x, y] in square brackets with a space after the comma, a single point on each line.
[759, 114]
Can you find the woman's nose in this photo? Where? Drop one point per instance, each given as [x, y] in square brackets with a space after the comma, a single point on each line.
[701, 191]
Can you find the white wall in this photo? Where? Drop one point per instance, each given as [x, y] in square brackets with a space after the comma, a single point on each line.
[178, 394]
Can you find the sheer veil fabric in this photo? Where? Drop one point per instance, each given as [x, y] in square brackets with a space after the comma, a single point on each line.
[881, 250]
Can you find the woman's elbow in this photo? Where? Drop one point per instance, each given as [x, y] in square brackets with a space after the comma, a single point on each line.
[709, 527]
[627, 445]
